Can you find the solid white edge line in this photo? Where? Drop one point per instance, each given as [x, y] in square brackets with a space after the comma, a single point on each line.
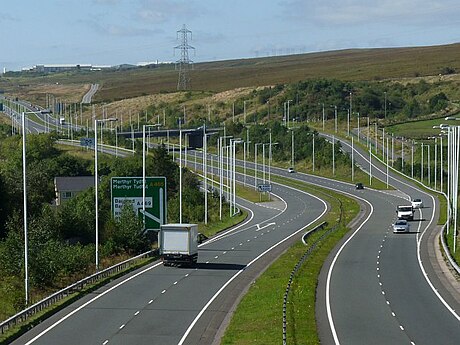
[331, 267]
[89, 302]
[189, 329]
[422, 268]
[443, 301]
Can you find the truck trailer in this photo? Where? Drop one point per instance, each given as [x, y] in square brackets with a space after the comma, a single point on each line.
[179, 244]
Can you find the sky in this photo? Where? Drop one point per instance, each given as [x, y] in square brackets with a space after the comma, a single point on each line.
[112, 32]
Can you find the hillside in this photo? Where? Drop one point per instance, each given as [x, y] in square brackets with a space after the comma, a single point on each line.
[352, 65]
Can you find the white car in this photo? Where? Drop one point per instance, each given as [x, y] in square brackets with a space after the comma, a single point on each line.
[417, 203]
[291, 170]
[401, 225]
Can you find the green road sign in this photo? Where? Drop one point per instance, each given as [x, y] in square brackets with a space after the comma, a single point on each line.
[129, 190]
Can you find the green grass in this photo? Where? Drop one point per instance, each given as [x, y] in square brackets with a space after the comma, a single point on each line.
[215, 227]
[258, 317]
[418, 129]
[450, 244]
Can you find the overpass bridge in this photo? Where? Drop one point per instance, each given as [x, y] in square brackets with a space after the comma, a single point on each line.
[195, 135]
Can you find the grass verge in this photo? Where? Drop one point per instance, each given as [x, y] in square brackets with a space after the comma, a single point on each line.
[258, 317]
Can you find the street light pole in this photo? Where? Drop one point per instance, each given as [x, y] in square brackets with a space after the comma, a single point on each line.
[143, 169]
[324, 115]
[24, 180]
[96, 185]
[255, 165]
[335, 114]
[352, 160]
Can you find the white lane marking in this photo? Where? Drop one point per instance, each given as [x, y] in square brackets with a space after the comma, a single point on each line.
[416, 188]
[105, 342]
[163, 291]
[89, 302]
[331, 267]
[175, 283]
[187, 274]
[216, 257]
[136, 313]
[122, 326]
[402, 328]
[443, 301]
[189, 329]
[224, 252]
[151, 301]
[392, 313]
[233, 248]
[263, 227]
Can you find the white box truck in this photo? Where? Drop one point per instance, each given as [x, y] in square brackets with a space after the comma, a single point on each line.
[405, 212]
[179, 244]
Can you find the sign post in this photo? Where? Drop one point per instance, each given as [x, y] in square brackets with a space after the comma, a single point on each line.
[128, 190]
[87, 142]
[264, 188]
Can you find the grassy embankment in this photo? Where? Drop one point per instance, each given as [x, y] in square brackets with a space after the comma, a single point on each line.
[258, 318]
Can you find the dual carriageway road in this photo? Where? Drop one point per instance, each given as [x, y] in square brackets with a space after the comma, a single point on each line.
[376, 287]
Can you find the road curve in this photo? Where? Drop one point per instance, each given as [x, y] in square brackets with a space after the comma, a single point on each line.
[87, 97]
[161, 304]
[379, 286]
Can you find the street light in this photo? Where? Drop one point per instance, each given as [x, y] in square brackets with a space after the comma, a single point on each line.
[255, 164]
[143, 167]
[289, 101]
[96, 183]
[235, 141]
[24, 181]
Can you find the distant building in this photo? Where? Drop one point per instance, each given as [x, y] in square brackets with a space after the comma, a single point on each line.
[63, 68]
[67, 187]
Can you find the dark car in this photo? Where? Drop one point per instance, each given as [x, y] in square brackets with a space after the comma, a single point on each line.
[359, 185]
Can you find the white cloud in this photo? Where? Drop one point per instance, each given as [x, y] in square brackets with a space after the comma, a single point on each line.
[118, 30]
[355, 12]
[161, 11]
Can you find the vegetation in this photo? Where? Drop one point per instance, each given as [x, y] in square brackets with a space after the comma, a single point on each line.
[354, 64]
[61, 239]
[258, 317]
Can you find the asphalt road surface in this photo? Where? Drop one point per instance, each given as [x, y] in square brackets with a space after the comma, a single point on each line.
[159, 305]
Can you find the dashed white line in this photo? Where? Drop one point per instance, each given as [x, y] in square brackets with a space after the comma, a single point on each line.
[122, 326]
[151, 301]
[402, 328]
[163, 291]
[175, 283]
[187, 274]
[224, 252]
[216, 257]
[136, 313]
[105, 342]
[392, 313]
